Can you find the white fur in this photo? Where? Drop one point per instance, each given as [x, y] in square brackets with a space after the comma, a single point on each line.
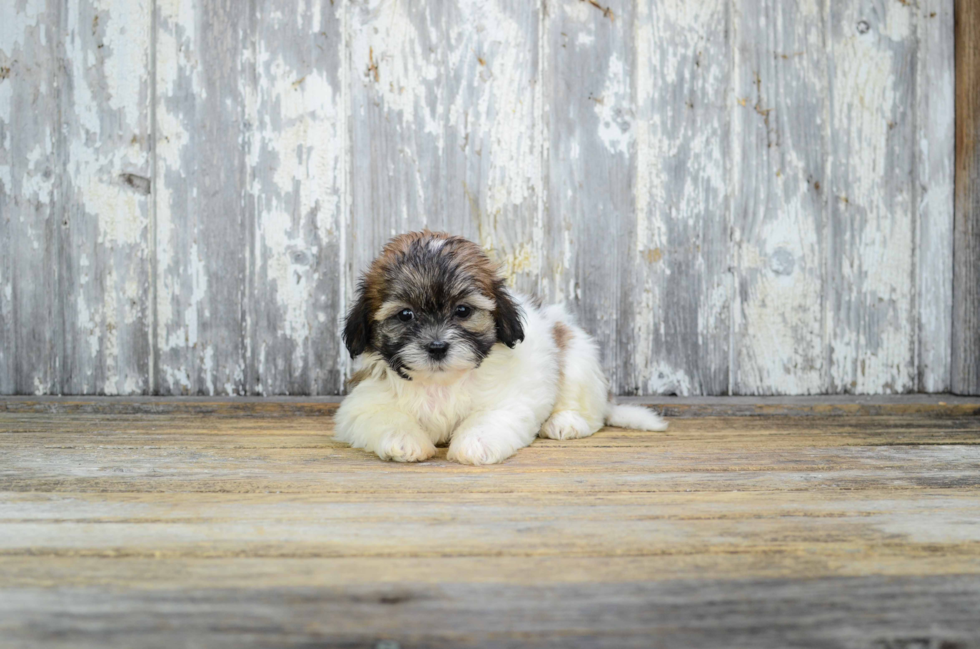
[488, 413]
[636, 417]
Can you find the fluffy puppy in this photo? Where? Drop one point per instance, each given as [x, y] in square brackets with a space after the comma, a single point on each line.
[447, 354]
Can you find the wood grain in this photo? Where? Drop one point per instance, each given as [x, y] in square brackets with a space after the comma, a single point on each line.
[734, 196]
[590, 113]
[939, 611]
[228, 528]
[444, 109]
[297, 182]
[942, 405]
[966, 252]
[398, 129]
[202, 202]
[32, 206]
[780, 211]
[934, 167]
[104, 264]
[871, 237]
[675, 336]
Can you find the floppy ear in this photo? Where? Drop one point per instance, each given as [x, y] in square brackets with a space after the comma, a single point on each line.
[508, 317]
[357, 329]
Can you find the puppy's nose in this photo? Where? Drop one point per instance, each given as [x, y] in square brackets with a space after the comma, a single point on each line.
[438, 349]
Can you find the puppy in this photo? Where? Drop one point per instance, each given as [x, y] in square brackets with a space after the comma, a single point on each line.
[446, 353]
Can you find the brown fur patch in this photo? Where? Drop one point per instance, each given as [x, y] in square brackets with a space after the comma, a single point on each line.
[469, 257]
[562, 334]
[358, 376]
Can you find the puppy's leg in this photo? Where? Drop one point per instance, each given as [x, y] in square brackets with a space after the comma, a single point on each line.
[582, 390]
[492, 436]
[364, 422]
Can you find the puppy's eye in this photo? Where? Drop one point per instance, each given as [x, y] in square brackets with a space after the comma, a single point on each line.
[405, 315]
[463, 312]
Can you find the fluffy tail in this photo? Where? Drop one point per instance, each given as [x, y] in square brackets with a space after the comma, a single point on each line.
[635, 417]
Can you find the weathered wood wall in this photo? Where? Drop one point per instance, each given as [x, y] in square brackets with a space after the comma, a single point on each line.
[735, 196]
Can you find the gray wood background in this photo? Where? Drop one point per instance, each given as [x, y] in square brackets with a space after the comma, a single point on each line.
[734, 196]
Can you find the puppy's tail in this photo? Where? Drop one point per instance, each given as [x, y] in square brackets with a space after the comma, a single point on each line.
[635, 417]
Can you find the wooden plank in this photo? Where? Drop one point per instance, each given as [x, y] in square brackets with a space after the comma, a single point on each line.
[871, 236]
[317, 419]
[74, 309]
[297, 161]
[698, 490]
[675, 337]
[32, 208]
[272, 472]
[242, 572]
[934, 167]
[861, 612]
[203, 208]
[240, 455]
[589, 108]
[180, 528]
[493, 144]
[443, 135]
[310, 429]
[239, 530]
[921, 405]
[399, 113]
[105, 259]
[966, 252]
[779, 184]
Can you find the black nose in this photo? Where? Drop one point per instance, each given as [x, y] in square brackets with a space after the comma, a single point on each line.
[438, 349]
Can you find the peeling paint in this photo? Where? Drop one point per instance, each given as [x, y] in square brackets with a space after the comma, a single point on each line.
[935, 138]
[871, 308]
[699, 239]
[614, 109]
[680, 209]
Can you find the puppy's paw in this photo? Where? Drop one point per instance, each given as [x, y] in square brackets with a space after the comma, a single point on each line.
[565, 424]
[405, 447]
[478, 449]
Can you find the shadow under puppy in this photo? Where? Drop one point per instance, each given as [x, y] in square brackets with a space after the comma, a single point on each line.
[447, 354]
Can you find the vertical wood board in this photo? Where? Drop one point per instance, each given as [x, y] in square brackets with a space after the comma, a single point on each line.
[780, 188]
[204, 68]
[443, 123]
[871, 248]
[590, 113]
[32, 214]
[105, 254]
[676, 334]
[296, 181]
[966, 253]
[933, 191]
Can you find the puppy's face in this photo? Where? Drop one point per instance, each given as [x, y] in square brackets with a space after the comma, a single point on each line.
[431, 302]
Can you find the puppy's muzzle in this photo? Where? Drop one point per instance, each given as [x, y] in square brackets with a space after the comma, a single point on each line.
[438, 349]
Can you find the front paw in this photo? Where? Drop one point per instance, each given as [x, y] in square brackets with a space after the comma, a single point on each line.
[478, 449]
[405, 447]
[565, 424]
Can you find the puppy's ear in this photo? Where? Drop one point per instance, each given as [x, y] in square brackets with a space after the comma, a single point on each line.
[357, 329]
[509, 317]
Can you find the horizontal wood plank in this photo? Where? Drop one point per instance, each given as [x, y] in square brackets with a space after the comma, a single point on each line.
[937, 611]
[246, 524]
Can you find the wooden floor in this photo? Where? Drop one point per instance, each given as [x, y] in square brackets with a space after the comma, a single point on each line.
[198, 524]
